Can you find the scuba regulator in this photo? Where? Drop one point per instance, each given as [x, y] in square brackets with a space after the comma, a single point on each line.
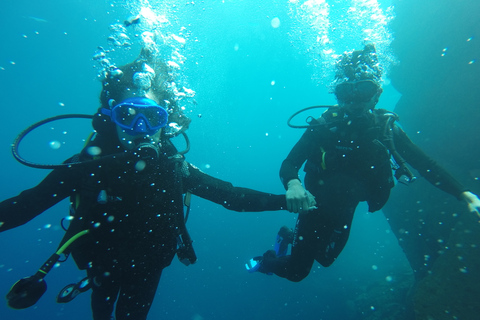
[27, 291]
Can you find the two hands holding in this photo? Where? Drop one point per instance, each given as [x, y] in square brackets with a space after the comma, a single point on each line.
[472, 201]
[300, 200]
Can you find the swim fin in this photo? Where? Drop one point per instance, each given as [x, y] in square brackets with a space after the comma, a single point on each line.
[284, 238]
[253, 264]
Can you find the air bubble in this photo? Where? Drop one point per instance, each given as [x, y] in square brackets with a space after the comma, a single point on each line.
[55, 144]
[275, 22]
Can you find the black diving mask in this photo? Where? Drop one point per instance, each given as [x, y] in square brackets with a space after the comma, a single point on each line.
[358, 91]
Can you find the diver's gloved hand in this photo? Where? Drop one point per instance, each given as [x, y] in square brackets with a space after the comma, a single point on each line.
[298, 199]
[472, 201]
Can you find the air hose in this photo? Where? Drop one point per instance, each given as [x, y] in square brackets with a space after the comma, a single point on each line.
[27, 291]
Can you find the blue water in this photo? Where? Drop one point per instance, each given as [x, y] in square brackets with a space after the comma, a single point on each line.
[248, 77]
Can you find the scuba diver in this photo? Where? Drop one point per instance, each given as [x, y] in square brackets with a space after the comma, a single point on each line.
[349, 152]
[126, 189]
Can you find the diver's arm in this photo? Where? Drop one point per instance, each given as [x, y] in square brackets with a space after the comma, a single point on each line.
[230, 197]
[298, 199]
[57, 185]
[426, 166]
[20, 209]
[297, 157]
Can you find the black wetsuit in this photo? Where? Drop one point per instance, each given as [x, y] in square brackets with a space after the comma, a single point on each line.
[133, 236]
[347, 161]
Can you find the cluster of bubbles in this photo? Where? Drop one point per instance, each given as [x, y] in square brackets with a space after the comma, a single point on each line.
[117, 39]
[118, 35]
[357, 65]
[151, 31]
[324, 29]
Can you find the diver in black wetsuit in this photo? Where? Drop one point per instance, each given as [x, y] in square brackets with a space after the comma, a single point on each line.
[347, 153]
[126, 189]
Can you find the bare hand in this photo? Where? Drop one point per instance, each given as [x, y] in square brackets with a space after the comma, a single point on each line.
[472, 201]
[298, 199]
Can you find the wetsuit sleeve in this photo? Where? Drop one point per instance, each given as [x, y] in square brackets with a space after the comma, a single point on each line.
[426, 166]
[230, 197]
[297, 156]
[20, 209]
[57, 185]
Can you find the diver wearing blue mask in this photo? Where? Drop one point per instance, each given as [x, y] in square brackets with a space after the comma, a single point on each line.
[138, 116]
[127, 190]
[138, 120]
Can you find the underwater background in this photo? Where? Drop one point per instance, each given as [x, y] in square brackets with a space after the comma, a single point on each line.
[251, 64]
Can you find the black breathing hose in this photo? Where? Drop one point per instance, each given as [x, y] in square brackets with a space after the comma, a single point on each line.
[303, 110]
[22, 135]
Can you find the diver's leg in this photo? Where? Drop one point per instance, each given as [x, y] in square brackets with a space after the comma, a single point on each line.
[338, 196]
[137, 294]
[140, 277]
[294, 267]
[104, 295]
[336, 232]
[319, 235]
[284, 238]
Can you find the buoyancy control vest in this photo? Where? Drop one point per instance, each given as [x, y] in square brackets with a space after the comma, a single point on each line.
[97, 192]
[360, 147]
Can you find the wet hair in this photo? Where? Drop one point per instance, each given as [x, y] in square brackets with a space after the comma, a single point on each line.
[358, 65]
[121, 81]
[144, 74]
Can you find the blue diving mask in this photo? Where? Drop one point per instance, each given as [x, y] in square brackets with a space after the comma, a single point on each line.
[138, 116]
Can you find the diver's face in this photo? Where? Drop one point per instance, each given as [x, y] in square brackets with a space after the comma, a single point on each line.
[358, 97]
[131, 142]
[356, 108]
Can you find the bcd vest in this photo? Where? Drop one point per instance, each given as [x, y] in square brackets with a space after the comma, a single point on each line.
[359, 147]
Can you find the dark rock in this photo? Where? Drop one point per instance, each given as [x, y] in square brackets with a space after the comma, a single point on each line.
[438, 46]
